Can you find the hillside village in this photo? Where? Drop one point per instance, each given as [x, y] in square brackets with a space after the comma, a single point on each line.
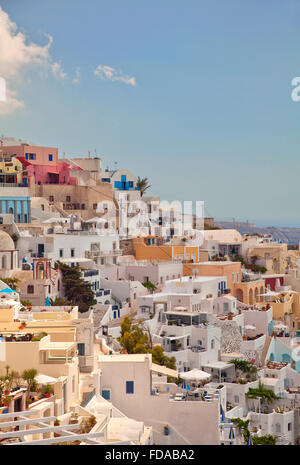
[127, 321]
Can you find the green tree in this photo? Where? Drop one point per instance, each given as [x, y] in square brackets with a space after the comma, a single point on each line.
[143, 185]
[244, 366]
[135, 339]
[266, 395]
[149, 285]
[242, 427]
[77, 291]
[59, 302]
[159, 357]
[11, 282]
[267, 440]
[29, 377]
[26, 303]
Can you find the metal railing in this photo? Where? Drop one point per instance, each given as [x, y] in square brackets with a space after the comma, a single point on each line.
[85, 402]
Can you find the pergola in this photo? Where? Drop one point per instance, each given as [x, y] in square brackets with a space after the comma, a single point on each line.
[41, 426]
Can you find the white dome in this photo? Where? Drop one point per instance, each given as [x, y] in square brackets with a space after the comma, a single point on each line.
[6, 242]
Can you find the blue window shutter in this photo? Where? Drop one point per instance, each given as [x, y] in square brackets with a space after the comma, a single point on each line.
[81, 348]
[129, 387]
[106, 394]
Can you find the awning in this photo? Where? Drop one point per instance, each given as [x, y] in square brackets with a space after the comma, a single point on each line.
[45, 379]
[164, 370]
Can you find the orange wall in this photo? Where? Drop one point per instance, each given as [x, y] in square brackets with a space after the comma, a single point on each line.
[216, 269]
[161, 252]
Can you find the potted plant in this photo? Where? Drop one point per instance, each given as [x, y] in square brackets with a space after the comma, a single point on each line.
[47, 390]
[166, 430]
[56, 423]
[6, 401]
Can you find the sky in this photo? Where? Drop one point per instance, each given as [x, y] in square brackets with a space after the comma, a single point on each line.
[195, 95]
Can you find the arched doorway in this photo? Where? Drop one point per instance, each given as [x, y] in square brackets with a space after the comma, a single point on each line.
[256, 295]
[240, 295]
[261, 294]
[251, 297]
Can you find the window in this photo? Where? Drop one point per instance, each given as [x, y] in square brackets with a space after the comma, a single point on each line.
[43, 207]
[237, 277]
[106, 394]
[61, 253]
[81, 348]
[289, 426]
[72, 252]
[129, 387]
[51, 198]
[50, 157]
[30, 289]
[68, 198]
[212, 344]
[94, 206]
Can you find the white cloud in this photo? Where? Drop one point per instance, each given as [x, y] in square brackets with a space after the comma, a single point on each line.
[107, 73]
[76, 78]
[16, 54]
[11, 103]
[58, 71]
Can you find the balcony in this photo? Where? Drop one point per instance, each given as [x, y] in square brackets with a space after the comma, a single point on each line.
[89, 273]
[102, 253]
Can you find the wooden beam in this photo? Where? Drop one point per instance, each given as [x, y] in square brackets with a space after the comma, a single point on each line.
[46, 429]
[76, 437]
[7, 424]
[24, 413]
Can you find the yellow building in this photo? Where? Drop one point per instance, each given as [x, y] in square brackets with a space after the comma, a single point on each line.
[10, 169]
[274, 256]
[43, 338]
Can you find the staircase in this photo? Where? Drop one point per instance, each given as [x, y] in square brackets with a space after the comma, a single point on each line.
[265, 349]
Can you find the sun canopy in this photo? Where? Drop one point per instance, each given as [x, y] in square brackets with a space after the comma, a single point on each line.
[164, 370]
[45, 379]
[195, 374]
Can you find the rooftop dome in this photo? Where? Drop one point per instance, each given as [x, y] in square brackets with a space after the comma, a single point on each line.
[6, 242]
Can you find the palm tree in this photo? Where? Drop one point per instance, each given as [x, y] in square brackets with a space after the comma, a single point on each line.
[143, 185]
[29, 377]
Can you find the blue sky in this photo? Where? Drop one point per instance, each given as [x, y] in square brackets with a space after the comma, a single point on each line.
[203, 107]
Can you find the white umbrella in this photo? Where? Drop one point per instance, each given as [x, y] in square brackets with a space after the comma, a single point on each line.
[195, 375]
[280, 326]
[45, 379]
[250, 327]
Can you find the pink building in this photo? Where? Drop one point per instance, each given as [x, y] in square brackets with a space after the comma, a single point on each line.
[41, 165]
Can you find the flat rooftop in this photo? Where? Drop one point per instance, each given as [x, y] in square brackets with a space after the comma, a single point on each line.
[127, 358]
